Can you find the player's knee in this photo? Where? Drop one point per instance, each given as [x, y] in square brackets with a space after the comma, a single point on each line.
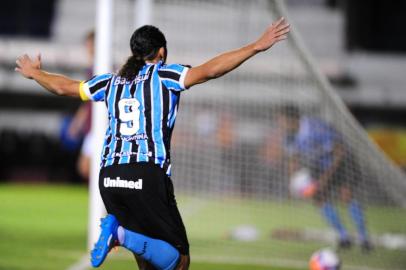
[319, 199]
[143, 264]
[160, 254]
[346, 194]
[184, 262]
[171, 258]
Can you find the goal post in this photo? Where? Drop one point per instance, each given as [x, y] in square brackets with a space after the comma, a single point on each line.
[102, 64]
[104, 46]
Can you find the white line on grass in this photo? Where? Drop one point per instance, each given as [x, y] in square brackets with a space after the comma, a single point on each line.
[82, 264]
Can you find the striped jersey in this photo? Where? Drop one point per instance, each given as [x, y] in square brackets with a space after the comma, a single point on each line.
[141, 113]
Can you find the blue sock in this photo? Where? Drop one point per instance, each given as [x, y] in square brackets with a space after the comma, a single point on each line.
[357, 215]
[160, 254]
[331, 215]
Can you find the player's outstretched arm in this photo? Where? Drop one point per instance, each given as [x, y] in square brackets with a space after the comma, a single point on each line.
[228, 61]
[55, 83]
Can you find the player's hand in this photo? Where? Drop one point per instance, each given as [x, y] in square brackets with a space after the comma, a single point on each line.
[26, 66]
[312, 190]
[276, 32]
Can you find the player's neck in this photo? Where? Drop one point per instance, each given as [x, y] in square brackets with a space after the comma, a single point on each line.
[159, 57]
[152, 61]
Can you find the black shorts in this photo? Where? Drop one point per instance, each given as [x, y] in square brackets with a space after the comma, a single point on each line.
[347, 174]
[141, 197]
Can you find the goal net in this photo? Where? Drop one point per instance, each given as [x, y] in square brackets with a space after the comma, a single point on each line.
[234, 160]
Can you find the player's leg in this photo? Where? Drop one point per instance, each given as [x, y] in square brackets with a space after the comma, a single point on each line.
[109, 225]
[330, 214]
[179, 227]
[164, 220]
[129, 207]
[149, 227]
[349, 191]
[184, 262]
[168, 227]
[143, 264]
[356, 213]
[158, 253]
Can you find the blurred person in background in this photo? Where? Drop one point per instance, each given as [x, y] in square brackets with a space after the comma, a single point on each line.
[314, 144]
[75, 131]
[79, 126]
[272, 160]
[142, 102]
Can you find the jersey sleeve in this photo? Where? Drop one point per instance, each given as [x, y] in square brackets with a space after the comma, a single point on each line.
[95, 88]
[173, 76]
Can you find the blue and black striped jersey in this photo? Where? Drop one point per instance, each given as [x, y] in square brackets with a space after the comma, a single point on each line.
[141, 113]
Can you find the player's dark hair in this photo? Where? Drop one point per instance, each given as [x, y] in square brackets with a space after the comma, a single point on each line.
[145, 43]
[90, 35]
[290, 110]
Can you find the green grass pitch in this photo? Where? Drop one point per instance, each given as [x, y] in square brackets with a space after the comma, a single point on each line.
[44, 227]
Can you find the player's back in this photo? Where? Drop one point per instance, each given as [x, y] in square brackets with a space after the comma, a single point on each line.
[142, 114]
[315, 140]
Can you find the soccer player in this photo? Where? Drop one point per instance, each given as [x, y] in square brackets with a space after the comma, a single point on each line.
[316, 145]
[142, 101]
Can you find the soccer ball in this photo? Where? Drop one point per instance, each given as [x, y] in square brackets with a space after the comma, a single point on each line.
[324, 259]
[302, 184]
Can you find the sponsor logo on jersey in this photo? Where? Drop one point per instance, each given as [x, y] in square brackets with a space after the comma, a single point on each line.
[136, 137]
[139, 78]
[122, 183]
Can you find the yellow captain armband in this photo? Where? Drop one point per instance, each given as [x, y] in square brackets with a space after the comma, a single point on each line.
[82, 91]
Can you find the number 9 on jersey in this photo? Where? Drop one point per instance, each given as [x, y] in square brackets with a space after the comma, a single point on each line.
[129, 116]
